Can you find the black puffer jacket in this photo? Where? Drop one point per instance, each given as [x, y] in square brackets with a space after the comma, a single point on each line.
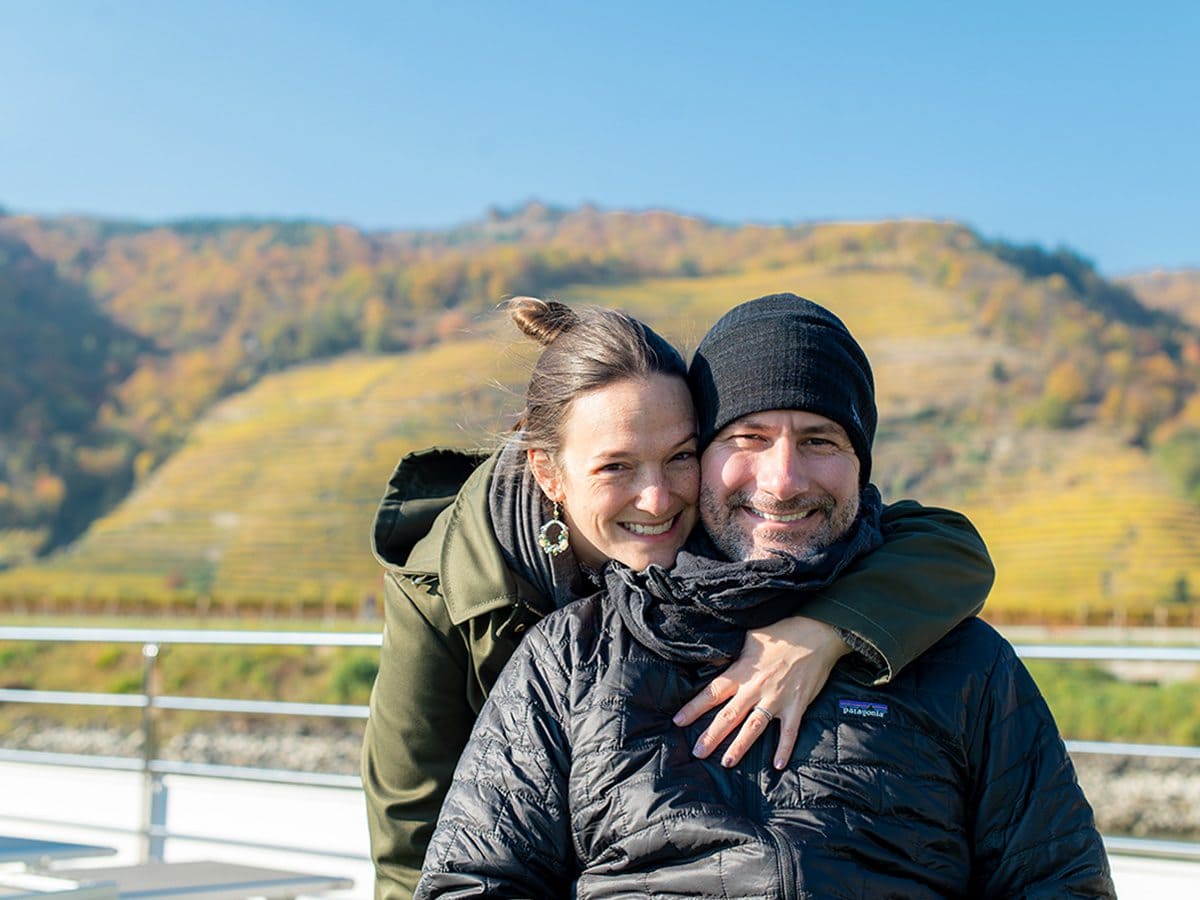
[951, 781]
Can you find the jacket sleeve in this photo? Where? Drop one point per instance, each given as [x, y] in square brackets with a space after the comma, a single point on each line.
[1034, 833]
[419, 722]
[932, 572]
[505, 828]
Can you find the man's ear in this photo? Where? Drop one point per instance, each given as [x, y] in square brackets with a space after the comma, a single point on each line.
[545, 473]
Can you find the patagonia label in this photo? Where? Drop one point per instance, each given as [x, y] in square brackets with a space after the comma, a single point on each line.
[863, 710]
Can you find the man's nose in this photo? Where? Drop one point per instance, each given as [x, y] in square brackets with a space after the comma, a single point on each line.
[781, 472]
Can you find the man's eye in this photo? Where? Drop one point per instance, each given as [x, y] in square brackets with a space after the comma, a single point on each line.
[820, 443]
[684, 456]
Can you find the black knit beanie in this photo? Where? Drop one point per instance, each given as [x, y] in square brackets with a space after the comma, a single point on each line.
[784, 352]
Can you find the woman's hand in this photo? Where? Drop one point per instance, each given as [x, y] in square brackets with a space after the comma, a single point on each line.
[781, 669]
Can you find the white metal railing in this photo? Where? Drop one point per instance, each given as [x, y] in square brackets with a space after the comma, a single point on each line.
[154, 832]
[1110, 653]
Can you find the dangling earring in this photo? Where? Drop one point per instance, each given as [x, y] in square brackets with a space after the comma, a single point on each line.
[553, 546]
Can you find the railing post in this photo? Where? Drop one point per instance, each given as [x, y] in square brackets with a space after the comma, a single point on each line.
[154, 791]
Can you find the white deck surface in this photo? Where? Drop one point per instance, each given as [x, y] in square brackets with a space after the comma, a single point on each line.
[325, 818]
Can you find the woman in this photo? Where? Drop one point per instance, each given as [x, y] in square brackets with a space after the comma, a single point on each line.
[603, 466]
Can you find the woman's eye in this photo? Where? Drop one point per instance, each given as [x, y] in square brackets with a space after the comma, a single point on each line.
[684, 456]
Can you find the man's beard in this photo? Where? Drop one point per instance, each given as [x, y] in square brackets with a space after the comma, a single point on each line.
[735, 537]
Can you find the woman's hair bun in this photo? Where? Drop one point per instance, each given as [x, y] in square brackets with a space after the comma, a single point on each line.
[542, 320]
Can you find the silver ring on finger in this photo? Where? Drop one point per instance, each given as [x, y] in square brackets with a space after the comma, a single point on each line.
[766, 712]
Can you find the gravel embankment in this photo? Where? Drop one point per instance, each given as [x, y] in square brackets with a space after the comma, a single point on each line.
[276, 748]
[1143, 797]
[1132, 796]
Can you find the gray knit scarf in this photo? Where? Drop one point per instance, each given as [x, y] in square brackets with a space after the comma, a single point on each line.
[519, 509]
[700, 610]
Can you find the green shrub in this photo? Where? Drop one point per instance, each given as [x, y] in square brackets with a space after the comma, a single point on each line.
[1179, 455]
[126, 683]
[353, 677]
[1091, 704]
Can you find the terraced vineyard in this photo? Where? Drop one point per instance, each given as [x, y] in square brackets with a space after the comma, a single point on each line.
[267, 509]
[1095, 531]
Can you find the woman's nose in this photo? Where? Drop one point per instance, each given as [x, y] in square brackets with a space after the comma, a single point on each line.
[654, 497]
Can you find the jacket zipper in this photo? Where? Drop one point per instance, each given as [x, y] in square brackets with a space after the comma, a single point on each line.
[783, 856]
[784, 859]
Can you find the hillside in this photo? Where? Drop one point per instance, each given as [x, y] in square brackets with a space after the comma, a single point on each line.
[63, 361]
[269, 504]
[279, 369]
[267, 507]
[215, 306]
[1081, 524]
[1176, 291]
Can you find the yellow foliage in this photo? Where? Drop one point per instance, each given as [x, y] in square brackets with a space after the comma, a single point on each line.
[1066, 384]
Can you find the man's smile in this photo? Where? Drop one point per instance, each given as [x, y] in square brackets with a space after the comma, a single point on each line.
[777, 517]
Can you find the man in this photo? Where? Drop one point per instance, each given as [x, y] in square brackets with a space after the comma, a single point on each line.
[949, 781]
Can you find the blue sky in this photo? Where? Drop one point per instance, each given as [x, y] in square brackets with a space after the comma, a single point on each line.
[1060, 123]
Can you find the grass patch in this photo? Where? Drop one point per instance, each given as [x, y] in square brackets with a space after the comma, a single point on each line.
[1092, 704]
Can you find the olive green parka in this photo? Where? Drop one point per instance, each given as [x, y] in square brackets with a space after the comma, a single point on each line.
[454, 614]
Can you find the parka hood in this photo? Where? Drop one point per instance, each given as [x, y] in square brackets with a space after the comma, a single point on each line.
[433, 522]
[423, 484]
